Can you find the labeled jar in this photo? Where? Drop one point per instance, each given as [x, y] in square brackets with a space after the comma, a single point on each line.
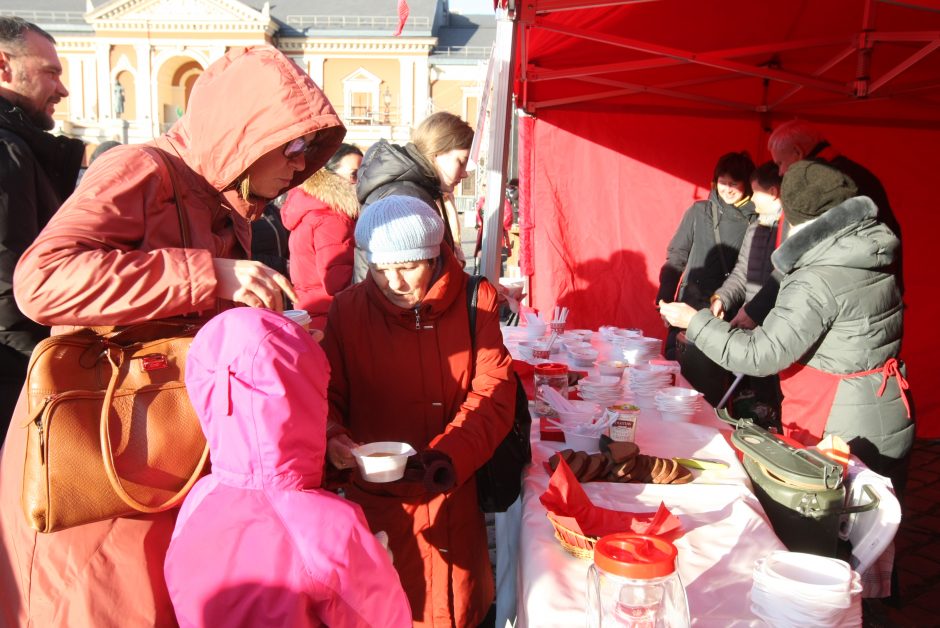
[553, 375]
[625, 417]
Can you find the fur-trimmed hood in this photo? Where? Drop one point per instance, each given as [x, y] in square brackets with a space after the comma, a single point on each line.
[847, 235]
[323, 191]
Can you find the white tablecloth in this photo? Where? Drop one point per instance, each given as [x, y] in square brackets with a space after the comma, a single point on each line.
[725, 533]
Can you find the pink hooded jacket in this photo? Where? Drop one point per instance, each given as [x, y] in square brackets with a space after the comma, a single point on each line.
[257, 542]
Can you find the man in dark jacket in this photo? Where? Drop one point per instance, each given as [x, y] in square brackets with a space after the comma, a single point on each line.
[37, 172]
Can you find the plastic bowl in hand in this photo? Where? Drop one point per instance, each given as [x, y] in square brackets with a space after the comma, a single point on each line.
[383, 461]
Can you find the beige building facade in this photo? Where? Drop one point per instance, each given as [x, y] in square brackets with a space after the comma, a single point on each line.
[130, 65]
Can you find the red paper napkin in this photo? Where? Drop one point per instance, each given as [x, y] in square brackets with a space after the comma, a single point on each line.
[568, 504]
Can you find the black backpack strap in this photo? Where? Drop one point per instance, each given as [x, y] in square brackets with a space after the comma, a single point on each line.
[473, 288]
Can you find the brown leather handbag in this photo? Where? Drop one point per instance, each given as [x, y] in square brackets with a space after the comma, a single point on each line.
[111, 430]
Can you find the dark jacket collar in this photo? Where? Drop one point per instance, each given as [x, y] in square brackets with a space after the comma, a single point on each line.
[60, 157]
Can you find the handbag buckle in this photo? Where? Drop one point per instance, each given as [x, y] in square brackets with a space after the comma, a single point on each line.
[154, 362]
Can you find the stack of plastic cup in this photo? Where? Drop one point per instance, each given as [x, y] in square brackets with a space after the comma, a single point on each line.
[795, 589]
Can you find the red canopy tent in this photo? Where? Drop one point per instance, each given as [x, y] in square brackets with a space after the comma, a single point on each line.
[630, 103]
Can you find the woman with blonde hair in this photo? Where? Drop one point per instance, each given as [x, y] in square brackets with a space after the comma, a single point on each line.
[256, 125]
[429, 168]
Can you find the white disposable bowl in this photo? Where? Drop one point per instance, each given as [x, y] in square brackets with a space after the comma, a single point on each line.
[386, 468]
[677, 417]
[583, 357]
[535, 331]
[579, 442]
[613, 368]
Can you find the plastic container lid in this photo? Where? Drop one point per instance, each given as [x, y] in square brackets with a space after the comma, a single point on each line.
[551, 368]
[635, 556]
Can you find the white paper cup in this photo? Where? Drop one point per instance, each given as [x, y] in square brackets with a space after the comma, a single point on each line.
[301, 317]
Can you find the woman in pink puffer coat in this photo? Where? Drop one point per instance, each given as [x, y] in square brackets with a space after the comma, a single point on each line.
[258, 542]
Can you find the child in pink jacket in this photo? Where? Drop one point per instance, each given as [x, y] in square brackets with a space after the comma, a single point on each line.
[257, 542]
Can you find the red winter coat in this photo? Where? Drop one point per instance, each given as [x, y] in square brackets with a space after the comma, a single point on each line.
[321, 216]
[404, 375]
[113, 255]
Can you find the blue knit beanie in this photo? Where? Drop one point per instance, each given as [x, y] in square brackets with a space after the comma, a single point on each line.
[398, 229]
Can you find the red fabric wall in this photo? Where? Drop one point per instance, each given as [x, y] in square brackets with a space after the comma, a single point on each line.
[608, 190]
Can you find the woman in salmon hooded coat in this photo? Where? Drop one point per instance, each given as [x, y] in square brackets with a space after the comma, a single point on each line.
[256, 126]
[257, 542]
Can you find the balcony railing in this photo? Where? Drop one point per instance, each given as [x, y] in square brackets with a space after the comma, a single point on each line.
[357, 22]
[463, 52]
[47, 17]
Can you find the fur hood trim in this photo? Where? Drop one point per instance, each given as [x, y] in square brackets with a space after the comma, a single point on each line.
[333, 190]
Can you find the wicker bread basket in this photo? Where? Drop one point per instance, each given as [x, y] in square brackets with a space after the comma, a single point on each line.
[576, 544]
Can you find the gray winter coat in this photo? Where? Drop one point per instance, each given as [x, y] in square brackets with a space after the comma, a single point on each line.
[838, 311]
[695, 257]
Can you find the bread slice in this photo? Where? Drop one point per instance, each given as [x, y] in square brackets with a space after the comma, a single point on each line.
[684, 476]
[640, 471]
[578, 463]
[657, 468]
[596, 467]
[622, 451]
[670, 470]
[553, 461]
[566, 454]
[619, 470]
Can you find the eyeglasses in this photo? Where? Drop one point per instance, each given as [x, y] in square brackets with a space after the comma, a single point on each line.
[297, 147]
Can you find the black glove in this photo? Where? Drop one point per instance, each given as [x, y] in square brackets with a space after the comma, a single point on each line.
[432, 468]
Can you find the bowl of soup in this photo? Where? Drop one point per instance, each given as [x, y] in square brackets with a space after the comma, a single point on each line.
[383, 461]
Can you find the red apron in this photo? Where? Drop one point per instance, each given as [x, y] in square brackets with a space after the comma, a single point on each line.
[808, 394]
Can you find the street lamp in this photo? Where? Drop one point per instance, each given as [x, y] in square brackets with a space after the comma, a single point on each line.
[387, 99]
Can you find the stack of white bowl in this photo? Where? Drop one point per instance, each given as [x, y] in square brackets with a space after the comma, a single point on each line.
[638, 349]
[677, 404]
[580, 413]
[645, 381]
[795, 589]
[604, 390]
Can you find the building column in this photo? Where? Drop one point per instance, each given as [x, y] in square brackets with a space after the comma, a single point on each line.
[422, 82]
[145, 95]
[406, 90]
[76, 89]
[313, 64]
[103, 74]
[89, 87]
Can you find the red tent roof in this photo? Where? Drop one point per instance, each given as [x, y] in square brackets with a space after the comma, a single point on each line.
[872, 60]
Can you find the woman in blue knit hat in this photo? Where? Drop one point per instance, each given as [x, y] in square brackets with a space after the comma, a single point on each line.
[404, 368]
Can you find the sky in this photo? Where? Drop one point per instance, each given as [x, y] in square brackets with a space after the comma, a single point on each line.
[479, 7]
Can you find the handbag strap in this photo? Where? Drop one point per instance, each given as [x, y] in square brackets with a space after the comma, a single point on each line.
[115, 357]
[715, 218]
[184, 221]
